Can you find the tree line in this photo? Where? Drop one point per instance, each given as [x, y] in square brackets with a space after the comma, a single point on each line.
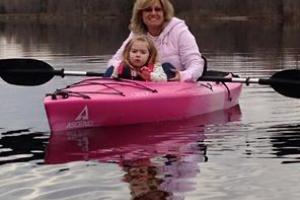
[284, 10]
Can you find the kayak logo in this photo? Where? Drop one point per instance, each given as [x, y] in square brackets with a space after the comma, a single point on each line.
[82, 120]
[83, 115]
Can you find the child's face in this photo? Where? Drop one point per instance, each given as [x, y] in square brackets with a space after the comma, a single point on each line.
[139, 54]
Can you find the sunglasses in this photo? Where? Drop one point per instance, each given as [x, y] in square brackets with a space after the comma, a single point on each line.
[150, 9]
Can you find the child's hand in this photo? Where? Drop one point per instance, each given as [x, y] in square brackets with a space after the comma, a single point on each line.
[145, 69]
[145, 72]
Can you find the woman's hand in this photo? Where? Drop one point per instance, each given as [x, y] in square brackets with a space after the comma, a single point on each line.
[176, 77]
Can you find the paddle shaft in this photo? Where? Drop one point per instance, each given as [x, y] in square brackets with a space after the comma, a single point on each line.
[63, 73]
[248, 80]
[286, 82]
[54, 72]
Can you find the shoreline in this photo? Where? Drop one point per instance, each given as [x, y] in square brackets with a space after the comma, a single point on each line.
[99, 19]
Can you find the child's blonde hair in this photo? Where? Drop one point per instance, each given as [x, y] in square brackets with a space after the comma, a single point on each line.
[151, 48]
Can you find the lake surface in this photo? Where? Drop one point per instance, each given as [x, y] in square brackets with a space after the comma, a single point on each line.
[251, 151]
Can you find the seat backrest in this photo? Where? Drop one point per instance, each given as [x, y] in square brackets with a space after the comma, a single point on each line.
[205, 65]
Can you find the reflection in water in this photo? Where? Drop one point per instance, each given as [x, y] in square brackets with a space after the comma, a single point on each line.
[22, 146]
[285, 140]
[159, 159]
[34, 39]
[162, 179]
[103, 38]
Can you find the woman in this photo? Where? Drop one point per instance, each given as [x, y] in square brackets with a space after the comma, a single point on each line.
[177, 47]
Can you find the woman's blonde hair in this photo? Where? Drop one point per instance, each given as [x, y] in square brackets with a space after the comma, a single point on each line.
[151, 48]
[136, 23]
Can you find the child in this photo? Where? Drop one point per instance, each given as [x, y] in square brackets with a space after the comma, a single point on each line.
[140, 61]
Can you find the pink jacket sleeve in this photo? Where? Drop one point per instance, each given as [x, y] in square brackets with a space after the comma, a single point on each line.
[190, 57]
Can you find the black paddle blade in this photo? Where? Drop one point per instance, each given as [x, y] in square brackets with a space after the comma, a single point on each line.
[23, 71]
[287, 83]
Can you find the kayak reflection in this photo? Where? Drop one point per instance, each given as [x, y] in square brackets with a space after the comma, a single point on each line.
[158, 158]
[115, 144]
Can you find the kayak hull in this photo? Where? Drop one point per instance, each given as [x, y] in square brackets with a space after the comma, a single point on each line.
[107, 102]
[119, 144]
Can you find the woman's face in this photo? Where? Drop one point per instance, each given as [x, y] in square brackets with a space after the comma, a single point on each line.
[153, 16]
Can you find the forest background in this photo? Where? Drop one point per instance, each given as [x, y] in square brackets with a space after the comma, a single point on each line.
[279, 11]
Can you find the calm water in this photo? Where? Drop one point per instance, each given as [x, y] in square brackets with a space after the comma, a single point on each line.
[251, 151]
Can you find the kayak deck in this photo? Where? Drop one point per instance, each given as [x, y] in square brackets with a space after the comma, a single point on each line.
[108, 102]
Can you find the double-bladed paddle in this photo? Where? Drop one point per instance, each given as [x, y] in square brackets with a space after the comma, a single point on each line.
[31, 72]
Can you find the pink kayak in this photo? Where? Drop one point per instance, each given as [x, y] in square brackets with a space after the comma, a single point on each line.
[99, 102]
